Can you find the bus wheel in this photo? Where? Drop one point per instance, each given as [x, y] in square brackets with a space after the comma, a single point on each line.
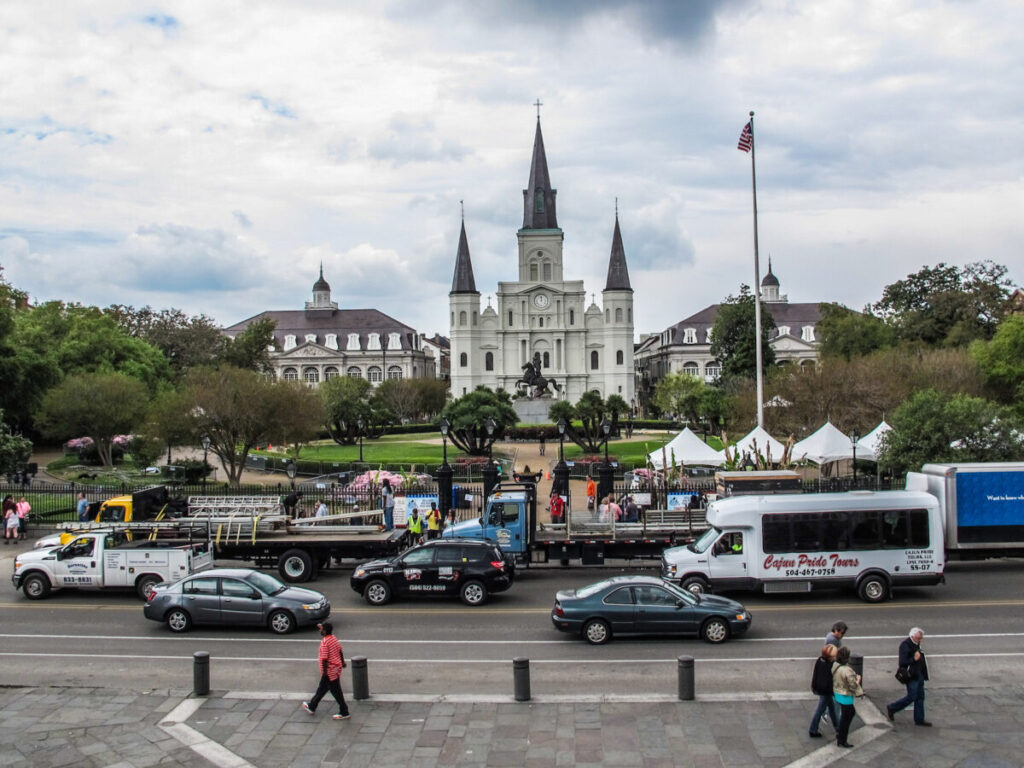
[695, 585]
[295, 566]
[873, 589]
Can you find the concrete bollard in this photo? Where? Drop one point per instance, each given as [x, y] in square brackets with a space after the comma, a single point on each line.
[360, 679]
[857, 664]
[686, 678]
[201, 673]
[521, 678]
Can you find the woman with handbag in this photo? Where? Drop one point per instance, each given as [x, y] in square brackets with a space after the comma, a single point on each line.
[821, 684]
[845, 688]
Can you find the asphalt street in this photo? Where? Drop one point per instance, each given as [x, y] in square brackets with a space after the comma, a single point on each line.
[975, 626]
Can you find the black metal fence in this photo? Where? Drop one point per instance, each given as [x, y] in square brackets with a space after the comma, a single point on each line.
[347, 469]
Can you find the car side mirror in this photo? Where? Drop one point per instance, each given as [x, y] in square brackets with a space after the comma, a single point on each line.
[60, 554]
[680, 603]
[254, 595]
[481, 521]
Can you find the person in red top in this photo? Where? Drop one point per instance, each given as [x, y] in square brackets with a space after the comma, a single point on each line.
[332, 661]
[557, 509]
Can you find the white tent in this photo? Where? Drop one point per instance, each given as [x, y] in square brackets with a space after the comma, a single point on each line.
[825, 445]
[687, 449]
[765, 443]
[867, 446]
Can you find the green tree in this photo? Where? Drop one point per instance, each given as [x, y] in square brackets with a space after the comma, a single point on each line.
[469, 413]
[400, 398]
[945, 305]
[848, 334]
[346, 400]
[14, 449]
[433, 396]
[99, 405]
[935, 427]
[680, 393]
[185, 341]
[250, 348]
[239, 409]
[168, 421]
[1001, 360]
[616, 405]
[734, 336]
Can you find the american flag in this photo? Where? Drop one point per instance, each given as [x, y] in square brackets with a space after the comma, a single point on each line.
[746, 139]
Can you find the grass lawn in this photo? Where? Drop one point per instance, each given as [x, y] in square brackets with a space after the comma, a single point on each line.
[633, 450]
[384, 451]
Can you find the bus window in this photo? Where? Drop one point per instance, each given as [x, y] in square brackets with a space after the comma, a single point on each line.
[806, 533]
[775, 534]
[894, 529]
[835, 531]
[919, 528]
[866, 534]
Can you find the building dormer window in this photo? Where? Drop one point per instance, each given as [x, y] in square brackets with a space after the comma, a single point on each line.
[808, 333]
[373, 341]
[690, 336]
[707, 336]
[311, 338]
[783, 330]
[353, 342]
[331, 341]
[289, 343]
[395, 341]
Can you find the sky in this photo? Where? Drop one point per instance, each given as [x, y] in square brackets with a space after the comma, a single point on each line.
[209, 156]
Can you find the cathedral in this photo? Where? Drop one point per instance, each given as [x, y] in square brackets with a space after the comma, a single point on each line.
[542, 325]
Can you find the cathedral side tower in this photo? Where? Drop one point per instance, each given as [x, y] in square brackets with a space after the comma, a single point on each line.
[617, 298]
[464, 307]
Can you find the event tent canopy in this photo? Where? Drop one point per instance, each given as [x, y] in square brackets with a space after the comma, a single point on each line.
[867, 446]
[825, 445]
[765, 444]
[686, 448]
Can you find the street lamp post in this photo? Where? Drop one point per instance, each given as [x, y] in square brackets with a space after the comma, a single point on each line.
[444, 472]
[490, 472]
[605, 474]
[291, 470]
[206, 450]
[361, 425]
[561, 486]
[854, 437]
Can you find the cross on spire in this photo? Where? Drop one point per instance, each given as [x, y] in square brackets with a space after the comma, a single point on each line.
[462, 210]
[538, 104]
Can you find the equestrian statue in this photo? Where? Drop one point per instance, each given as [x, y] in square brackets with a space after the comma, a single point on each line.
[536, 383]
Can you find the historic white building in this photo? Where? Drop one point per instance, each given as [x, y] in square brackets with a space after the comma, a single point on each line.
[323, 341]
[581, 347]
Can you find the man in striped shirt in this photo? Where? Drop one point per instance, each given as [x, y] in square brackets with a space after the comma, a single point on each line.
[332, 661]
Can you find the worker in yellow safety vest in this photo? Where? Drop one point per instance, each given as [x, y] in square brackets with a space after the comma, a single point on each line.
[415, 526]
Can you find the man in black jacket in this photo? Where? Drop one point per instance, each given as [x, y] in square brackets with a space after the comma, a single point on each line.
[912, 659]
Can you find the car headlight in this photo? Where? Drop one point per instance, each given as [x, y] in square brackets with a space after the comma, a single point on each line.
[741, 616]
[359, 572]
[312, 606]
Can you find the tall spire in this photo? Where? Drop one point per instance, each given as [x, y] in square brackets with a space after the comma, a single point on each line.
[618, 273]
[539, 197]
[462, 280]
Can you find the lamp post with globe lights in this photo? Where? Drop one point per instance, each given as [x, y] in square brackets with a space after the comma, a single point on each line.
[444, 472]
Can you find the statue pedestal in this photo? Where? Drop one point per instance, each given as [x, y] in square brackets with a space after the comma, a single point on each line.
[533, 411]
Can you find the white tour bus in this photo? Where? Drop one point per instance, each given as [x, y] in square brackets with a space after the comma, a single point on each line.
[872, 541]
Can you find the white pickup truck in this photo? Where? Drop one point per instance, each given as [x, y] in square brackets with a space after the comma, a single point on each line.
[104, 560]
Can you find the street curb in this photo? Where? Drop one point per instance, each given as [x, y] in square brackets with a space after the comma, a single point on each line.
[600, 698]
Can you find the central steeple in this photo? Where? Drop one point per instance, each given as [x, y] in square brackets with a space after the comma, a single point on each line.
[539, 197]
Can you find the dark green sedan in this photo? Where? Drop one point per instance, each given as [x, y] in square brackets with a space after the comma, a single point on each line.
[646, 605]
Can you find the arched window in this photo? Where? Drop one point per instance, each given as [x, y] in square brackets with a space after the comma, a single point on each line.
[311, 375]
[290, 374]
[538, 201]
[354, 372]
[540, 320]
[546, 360]
[462, 317]
[572, 317]
[594, 361]
[607, 315]
[463, 360]
[713, 370]
[394, 372]
[629, 315]
[619, 357]
[691, 369]
[474, 317]
[618, 314]
[374, 374]
[510, 318]
[330, 372]
[533, 270]
[547, 270]
[489, 361]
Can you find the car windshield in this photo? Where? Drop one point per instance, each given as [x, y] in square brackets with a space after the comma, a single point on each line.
[705, 541]
[592, 589]
[264, 583]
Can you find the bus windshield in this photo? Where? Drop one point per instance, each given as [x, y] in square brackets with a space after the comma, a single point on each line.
[705, 541]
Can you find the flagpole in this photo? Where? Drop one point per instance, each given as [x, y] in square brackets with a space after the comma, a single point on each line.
[757, 284]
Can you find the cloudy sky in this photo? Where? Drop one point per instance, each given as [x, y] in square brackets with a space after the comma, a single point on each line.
[210, 155]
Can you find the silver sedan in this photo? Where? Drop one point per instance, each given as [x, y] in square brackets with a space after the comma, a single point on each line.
[235, 597]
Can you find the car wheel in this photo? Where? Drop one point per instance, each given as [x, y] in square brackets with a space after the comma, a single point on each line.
[597, 632]
[36, 586]
[695, 585]
[295, 566]
[281, 622]
[144, 586]
[873, 589]
[473, 593]
[377, 592]
[715, 631]
[179, 621]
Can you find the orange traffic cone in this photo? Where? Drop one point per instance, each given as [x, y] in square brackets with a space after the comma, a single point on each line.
[547, 475]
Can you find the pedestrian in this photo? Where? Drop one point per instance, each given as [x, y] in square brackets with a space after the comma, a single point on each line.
[602, 510]
[543, 442]
[415, 527]
[10, 513]
[632, 510]
[821, 684]
[835, 637]
[845, 689]
[449, 519]
[557, 507]
[614, 511]
[433, 522]
[23, 509]
[331, 662]
[291, 503]
[591, 492]
[913, 663]
[82, 508]
[387, 503]
[321, 509]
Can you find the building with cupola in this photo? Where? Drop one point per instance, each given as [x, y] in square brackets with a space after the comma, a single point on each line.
[322, 341]
[686, 346]
[582, 346]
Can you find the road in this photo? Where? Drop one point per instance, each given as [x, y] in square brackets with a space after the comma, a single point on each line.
[975, 626]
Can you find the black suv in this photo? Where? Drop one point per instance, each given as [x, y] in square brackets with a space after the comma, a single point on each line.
[469, 568]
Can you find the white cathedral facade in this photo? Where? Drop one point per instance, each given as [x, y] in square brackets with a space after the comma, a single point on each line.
[542, 316]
